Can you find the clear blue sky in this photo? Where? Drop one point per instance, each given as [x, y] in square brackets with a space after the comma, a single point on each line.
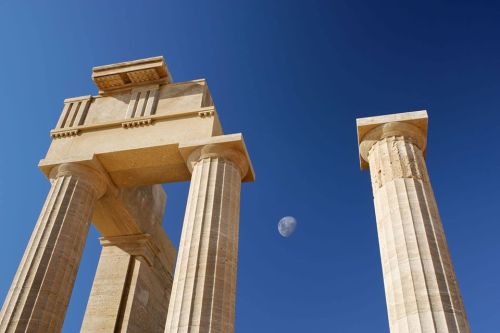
[292, 76]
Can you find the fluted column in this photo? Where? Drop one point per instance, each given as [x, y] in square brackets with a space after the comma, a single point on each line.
[204, 288]
[40, 292]
[420, 286]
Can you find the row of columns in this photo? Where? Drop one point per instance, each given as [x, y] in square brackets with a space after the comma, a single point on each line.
[420, 285]
[203, 290]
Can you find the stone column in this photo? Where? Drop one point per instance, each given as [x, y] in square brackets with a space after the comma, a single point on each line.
[204, 288]
[420, 285]
[40, 292]
[132, 285]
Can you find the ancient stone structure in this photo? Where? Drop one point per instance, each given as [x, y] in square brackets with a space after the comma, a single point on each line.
[108, 155]
[420, 286]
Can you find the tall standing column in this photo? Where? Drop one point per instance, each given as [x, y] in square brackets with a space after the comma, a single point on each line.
[420, 285]
[204, 288]
[40, 292]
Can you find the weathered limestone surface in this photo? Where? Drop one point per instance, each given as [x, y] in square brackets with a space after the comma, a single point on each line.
[134, 277]
[204, 289]
[420, 285]
[130, 211]
[135, 124]
[140, 131]
[104, 307]
[132, 285]
[42, 286]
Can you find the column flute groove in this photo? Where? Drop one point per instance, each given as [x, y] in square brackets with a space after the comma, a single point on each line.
[212, 250]
[387, 268]
[420, 254]
[22, 274]
[410, 298]
[446, 302]
[176, 296]
[424, 300]
[201, 265]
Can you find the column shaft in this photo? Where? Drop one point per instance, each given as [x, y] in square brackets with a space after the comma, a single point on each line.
[204, 288]
[420, 285]
[132, 285]
[40, 292]
[112, 277]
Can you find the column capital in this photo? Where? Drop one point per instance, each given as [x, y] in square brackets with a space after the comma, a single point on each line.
[219, 151]
[410, 125]
[228, 147]
[92, 175]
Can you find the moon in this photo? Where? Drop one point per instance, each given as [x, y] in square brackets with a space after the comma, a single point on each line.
[287, 225]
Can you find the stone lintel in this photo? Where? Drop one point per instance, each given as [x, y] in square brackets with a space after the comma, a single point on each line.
[128, 211]
[148, 164]
[123, 75]
[229, 141]
[365, 125]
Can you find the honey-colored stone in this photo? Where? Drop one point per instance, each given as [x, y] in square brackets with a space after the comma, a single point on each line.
[132, 286]
[204, 289]
[420, 285]
[108, 155]
[42, 286]
[134, 277]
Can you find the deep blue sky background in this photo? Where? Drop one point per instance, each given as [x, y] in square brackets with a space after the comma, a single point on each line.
[292, 76]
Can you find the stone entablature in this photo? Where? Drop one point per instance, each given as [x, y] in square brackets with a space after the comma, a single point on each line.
[135, 131]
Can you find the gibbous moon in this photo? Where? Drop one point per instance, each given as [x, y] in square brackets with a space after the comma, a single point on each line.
[287, 225]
